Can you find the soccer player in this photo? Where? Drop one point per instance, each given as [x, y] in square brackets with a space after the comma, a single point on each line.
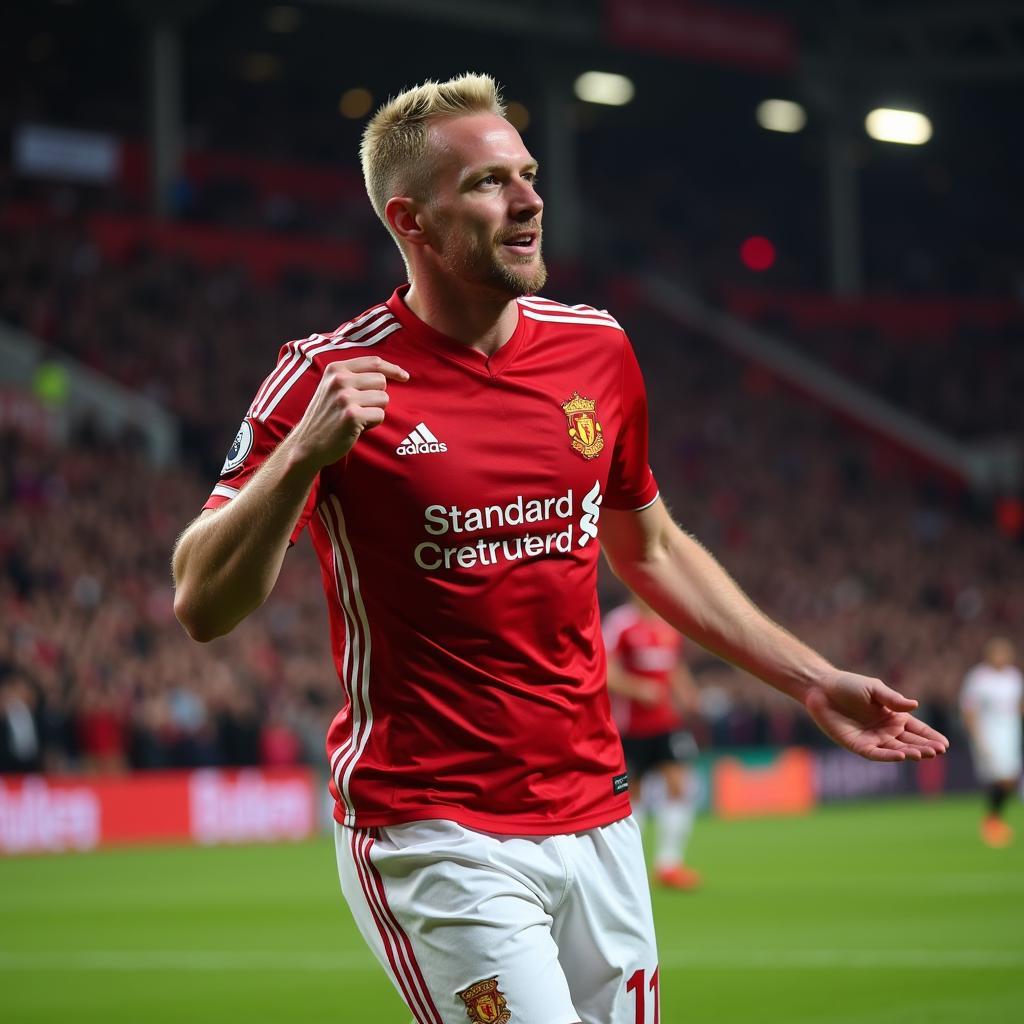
[991, 703]
[459, 452]
[651, 685]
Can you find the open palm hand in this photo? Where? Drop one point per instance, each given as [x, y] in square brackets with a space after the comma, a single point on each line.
[871, 719]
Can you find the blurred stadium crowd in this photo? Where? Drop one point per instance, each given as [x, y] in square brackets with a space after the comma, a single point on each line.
[94, 673]
[872, 560]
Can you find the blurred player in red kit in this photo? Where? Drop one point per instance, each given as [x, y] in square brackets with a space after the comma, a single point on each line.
[651, 690]
[460, 452]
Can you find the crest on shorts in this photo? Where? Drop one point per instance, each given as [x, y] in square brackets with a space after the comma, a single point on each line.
[585, 433]
[485, 1004]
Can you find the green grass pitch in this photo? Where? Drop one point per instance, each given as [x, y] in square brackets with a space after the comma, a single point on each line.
[872, 914]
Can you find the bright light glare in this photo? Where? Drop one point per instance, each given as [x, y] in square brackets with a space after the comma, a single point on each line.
[781, 116]
[518, 116]
[905, 126]
[603, 87]
[355, 103]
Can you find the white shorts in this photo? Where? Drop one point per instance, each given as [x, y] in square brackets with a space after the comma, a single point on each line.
[999, 759]
[497, 929]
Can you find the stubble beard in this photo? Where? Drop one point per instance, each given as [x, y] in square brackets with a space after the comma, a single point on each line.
[486, 267]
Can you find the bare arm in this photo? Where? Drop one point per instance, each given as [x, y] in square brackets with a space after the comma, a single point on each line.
[630, 685]
[684, 689]
[227, 561]
[682, 582]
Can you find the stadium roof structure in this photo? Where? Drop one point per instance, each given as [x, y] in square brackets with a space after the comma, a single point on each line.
[902, 41]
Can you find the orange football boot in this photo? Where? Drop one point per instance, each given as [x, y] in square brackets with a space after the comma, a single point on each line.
[995, 832]
[678, 876]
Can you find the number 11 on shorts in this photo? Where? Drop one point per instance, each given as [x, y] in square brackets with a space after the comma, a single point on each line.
[636, 986]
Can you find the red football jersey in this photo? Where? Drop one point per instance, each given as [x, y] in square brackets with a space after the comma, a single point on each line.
[651, 648]
[458, 548]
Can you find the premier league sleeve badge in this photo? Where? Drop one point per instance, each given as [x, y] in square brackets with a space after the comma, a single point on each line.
[239, 449]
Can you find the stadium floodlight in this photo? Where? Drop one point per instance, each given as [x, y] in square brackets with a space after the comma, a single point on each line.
[518, 116]
[781, 116]
[604, 87]
[355, 103]
[907, 127]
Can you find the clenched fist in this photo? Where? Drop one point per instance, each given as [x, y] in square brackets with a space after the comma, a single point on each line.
[351, 397]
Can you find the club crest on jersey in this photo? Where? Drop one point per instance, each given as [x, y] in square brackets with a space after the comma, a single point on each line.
[239, 449]
[585, 433]
[485, 1004]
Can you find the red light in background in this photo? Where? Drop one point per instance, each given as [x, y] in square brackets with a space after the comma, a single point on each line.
[757, 253]
[1010, 517]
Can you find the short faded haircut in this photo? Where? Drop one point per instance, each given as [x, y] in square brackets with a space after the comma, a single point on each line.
[395, 140]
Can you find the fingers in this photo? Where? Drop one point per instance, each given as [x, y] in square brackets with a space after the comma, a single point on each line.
[372, 417]
[365, 374]
[926, 732]
[913, 743]
[376, 365]
[911, 753]
[914, 739]
[882, 754]
[373, 399]
[909, 740]
[368, 382]
[886, 695]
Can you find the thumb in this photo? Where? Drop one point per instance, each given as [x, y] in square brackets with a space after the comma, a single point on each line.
[888, 697]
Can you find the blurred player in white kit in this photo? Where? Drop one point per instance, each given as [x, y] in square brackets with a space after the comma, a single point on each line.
[991, 702]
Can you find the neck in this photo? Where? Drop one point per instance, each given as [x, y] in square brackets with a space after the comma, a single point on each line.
[479, 319]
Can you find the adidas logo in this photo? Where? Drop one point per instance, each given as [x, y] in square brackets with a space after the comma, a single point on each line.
[421, 442]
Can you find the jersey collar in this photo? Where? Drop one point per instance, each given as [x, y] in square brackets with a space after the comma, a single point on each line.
[451, 347]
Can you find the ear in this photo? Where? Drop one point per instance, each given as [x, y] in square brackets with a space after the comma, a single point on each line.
[405, 221]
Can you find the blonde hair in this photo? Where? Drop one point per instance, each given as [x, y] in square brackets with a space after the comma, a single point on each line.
[395, 139]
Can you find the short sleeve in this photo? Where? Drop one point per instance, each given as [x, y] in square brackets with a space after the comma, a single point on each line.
[278, 405]
[631, 484]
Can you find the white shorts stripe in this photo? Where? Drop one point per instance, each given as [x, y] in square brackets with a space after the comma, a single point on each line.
[356, 838]
[407, 968]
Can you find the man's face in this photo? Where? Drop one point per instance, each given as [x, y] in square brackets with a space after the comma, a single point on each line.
[1000, 653]
[484, 214]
